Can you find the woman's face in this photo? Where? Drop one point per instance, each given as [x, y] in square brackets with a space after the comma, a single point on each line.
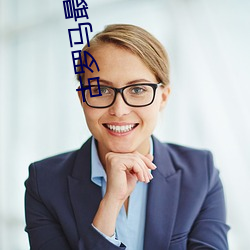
[119, 68]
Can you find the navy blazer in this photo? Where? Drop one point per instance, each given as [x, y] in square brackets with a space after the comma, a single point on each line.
[185, 202]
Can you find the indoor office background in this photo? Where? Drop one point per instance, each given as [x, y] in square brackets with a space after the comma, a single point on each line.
[209, 48]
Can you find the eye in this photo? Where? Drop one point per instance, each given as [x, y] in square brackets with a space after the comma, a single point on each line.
[105, 90]
[137, 90]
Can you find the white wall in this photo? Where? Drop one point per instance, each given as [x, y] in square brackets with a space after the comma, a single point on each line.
[208, 43]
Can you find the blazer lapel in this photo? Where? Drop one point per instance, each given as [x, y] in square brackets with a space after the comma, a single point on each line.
[85, 196]
[162, 202]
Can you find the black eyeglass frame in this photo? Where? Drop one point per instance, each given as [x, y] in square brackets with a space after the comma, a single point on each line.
[154, 86]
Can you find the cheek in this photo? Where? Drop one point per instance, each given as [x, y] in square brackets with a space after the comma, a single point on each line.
[91, 115]
[153, 109]
[150, 113]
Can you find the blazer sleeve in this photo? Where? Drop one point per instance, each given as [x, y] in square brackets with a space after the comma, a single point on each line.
[45, 231]
[210, 230]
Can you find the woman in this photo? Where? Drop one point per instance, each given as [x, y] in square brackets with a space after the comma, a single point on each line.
[124, 189]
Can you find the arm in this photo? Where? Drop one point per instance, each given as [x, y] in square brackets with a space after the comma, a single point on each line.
[44, 229]
[123, 172]
[210, 230]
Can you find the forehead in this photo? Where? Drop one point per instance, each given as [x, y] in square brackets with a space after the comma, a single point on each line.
[118, 65]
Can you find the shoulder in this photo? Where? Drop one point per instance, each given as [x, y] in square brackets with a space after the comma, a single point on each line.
[62, 163]
[184, 153]
[195, 167]
[57, 163]
[48, 177]
[54, 171]
[192, 162]
[180, 153]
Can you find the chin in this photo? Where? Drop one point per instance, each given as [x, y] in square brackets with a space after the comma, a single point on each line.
[122, 147]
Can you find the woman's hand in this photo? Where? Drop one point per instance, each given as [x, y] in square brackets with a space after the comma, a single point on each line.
[123, 171]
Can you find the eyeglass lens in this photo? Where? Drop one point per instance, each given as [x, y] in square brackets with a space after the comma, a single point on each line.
[135, 95]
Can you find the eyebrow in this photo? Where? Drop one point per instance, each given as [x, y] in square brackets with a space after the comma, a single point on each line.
[106, 82]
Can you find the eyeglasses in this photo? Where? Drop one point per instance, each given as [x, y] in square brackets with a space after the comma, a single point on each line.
[136, 95]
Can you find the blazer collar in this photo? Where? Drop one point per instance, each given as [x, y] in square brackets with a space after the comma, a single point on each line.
[84, 194]
[163, 198]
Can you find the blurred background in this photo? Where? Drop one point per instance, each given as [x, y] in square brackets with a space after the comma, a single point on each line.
[209, 47]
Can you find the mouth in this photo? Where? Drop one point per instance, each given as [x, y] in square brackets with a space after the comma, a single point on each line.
[120, 128]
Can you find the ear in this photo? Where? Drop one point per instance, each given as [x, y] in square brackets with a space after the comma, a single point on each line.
[164, 96]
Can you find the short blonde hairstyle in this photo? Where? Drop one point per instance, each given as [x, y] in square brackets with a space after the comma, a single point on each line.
[139, 42]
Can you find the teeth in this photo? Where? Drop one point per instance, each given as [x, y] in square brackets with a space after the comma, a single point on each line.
[121, 129]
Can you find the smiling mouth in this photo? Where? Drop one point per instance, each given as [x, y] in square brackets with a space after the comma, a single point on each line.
[122, 128]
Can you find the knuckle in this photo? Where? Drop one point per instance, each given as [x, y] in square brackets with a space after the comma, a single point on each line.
[109, 156]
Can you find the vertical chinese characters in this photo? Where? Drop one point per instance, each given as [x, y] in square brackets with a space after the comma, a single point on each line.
[78, 9]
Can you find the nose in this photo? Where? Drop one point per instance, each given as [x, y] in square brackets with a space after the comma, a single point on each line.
[119, 108]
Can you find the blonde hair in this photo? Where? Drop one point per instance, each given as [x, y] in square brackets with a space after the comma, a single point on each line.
[138, 41]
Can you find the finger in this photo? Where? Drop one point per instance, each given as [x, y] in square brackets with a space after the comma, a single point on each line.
[145, 170]
[147, 166]
[149, 175]
[148, 162]
[150, 157]
[136, 169]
